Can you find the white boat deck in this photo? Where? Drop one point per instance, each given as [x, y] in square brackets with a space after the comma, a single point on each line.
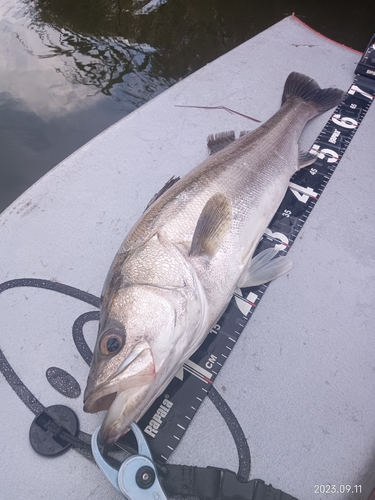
[301, 380]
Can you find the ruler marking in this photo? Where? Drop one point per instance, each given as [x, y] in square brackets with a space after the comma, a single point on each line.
[198, 371]
[244, 299]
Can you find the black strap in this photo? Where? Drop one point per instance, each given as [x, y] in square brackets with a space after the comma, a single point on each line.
[212, 483]
[190, 481]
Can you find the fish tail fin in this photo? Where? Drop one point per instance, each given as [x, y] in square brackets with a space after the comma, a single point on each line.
[298, 85]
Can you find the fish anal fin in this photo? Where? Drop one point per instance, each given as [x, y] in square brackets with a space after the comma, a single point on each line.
[263, 268]
[165, 188]
[305, 159]
[212, 226]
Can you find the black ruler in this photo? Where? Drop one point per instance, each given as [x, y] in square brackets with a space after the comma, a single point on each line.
[166, 421]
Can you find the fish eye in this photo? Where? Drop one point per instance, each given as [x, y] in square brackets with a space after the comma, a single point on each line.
[111, 343]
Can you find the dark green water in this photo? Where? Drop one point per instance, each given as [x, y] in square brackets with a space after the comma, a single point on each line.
[71, 68]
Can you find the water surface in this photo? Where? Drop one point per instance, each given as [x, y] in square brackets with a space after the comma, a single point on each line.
[71, 68]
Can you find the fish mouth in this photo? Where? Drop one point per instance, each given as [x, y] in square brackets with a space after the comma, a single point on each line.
[93, 404]
[128, 407]
[136, 371]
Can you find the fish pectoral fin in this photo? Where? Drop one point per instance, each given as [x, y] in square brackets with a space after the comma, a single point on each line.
[264, 268]
[212, 226]
[305, 159]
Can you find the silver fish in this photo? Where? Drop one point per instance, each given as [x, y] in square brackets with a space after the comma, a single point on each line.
[179, 266]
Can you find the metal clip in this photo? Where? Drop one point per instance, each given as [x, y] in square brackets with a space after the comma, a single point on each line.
[137, 478]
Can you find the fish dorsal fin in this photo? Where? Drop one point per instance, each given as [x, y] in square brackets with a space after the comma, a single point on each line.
[220, 141]
[212, 226]
[172, 181]
[305, 159]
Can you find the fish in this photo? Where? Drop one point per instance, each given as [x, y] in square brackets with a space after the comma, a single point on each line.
[179, 266]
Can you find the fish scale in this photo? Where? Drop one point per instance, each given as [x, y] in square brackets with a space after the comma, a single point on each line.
[305, 188]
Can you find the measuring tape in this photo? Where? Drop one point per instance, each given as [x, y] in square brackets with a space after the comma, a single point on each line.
[168, 418]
